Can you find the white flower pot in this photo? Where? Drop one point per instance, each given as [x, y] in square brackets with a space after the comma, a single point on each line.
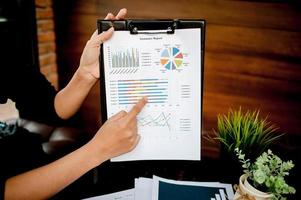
[247, 190]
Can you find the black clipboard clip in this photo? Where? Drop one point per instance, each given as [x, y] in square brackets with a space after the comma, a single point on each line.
[152, 27]
[157, 26]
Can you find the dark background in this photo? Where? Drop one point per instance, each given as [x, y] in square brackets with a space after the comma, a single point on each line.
[18, 33]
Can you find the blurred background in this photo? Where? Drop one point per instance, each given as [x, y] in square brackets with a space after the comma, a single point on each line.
[252, 52]
[252, 55]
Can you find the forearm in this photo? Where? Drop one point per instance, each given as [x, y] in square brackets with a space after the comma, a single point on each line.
[117, 136]
[69, 99]
[44, 182]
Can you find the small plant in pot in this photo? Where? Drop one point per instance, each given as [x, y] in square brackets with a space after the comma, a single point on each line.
[246, 131]
[263, 178]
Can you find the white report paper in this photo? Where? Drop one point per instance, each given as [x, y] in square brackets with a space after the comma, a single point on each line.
[167, 69]
[122, 195]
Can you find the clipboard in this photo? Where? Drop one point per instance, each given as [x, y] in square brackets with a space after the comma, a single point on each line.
[151, 29]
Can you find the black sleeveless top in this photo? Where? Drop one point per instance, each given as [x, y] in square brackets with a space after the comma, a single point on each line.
[34, 97]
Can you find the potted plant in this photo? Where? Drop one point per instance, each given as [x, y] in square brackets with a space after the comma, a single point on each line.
[245, 131]
[263, 178]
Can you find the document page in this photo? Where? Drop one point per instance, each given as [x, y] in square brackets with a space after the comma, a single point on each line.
[165, 189]
[122, 195]
[143, 188]
[166, 68]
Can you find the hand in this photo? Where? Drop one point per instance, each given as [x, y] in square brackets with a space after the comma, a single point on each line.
[119, 134]
[89, 61]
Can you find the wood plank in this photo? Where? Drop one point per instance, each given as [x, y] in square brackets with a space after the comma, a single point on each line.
[252, 65]
[273, 44]
[279, 112]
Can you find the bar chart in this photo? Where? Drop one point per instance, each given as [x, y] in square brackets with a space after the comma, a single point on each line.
[125, 92]
[123, 60]
[127, 58]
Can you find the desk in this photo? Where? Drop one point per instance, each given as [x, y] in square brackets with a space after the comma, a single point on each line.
[112, 177]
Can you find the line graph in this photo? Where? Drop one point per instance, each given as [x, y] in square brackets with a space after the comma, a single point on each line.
[160, 120]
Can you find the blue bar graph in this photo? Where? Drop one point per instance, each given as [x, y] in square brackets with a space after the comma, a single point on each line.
[130, 91]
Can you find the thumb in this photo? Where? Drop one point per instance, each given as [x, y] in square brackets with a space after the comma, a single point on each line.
[104, 36]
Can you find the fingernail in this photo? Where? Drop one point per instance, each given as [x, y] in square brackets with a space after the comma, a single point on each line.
[145, 99]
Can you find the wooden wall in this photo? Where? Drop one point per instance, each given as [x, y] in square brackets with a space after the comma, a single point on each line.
[252, 57]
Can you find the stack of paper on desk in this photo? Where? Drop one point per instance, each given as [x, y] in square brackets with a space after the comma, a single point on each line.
[164, 189]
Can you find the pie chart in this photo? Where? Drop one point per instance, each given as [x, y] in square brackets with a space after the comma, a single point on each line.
[171, 58]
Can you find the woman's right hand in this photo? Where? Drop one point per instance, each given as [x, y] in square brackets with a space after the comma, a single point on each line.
[89, 61]
[118, 135]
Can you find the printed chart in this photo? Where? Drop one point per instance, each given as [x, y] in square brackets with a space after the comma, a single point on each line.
[160, 120]
[171, 58]
[128, 58]
[123, 61]
[125, 92]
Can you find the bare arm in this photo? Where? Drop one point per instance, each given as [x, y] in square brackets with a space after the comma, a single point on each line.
[69, 99]
[117, 136]
[43, 182]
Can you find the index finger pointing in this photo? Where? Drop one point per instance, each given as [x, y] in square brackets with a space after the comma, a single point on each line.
[137, 109]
